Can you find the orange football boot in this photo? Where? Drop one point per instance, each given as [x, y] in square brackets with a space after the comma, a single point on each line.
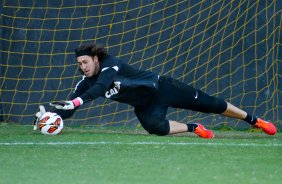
[267, 127]
[201, 131]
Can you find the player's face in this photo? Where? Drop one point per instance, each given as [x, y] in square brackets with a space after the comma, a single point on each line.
[90, 66]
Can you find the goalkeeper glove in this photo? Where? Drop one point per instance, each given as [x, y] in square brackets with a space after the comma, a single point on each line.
[38, 116]
[67, 105]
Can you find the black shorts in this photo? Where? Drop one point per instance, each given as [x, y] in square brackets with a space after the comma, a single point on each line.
[173, 93]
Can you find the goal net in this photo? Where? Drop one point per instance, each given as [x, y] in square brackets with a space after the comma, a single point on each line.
[229, 49]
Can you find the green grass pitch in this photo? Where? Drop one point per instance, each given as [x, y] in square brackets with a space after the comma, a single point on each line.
[97, 155]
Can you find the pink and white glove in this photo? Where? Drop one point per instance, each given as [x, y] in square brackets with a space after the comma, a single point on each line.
[67, 105]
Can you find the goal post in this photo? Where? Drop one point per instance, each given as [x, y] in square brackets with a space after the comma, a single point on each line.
[229, 49]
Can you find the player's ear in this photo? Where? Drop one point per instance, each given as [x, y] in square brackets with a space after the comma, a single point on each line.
[95, 58]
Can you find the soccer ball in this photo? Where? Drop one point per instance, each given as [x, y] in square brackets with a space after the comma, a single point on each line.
[50, 123]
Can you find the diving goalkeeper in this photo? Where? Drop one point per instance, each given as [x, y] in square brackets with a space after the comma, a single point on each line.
[150, 94]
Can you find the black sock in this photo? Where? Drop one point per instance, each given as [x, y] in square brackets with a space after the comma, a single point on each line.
[251, 119]
[191, 127]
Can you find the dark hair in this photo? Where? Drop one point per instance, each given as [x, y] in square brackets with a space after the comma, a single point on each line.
[91, 50]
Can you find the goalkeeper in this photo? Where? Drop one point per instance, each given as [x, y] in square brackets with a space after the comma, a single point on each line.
[150, 95]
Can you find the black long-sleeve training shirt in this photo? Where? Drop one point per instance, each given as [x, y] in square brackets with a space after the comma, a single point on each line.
[118, 81]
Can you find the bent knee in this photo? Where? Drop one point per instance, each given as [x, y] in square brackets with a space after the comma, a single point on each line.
[157, 127]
